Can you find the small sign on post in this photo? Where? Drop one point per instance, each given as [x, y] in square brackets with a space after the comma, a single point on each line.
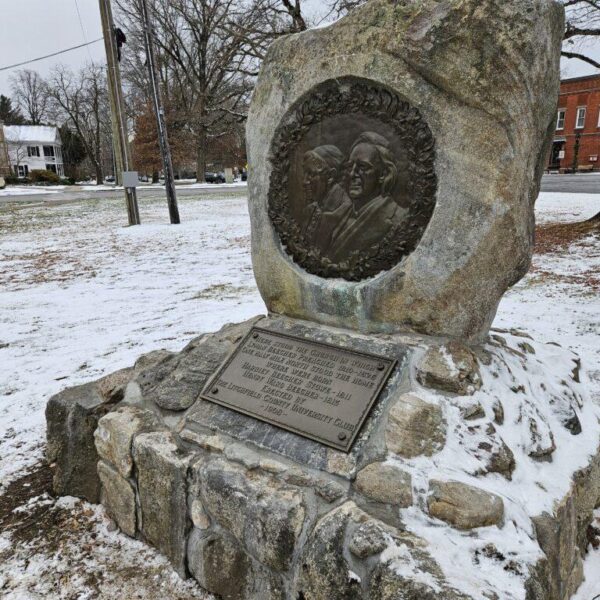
[130, 179]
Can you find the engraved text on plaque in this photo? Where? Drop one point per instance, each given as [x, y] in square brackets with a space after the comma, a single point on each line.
[316, 390]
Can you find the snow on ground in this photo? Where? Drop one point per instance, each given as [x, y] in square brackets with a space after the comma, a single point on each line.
[553, 207]
[81, 296]
[30, 190]
[559, 300]
[183, 185]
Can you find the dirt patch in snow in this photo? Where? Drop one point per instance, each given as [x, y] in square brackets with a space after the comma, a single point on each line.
[557, 237]
[24, 504]
[67, 549]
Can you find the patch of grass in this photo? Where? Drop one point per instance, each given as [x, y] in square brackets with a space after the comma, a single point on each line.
[220, 291]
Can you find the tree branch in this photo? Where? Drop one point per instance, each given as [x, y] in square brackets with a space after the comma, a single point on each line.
[582, 57]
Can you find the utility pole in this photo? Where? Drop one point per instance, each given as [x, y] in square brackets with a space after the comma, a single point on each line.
[159, 111]
[122, 153]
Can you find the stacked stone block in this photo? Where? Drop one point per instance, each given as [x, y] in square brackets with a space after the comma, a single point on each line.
[286, 521]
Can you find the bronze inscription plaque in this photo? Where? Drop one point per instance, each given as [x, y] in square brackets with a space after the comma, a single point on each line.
[316, 390]
[353, 183]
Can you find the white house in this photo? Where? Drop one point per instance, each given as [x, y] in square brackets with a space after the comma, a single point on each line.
[34, 147]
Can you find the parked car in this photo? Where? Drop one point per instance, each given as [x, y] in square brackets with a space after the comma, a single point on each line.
[109, 179]
[213, 177]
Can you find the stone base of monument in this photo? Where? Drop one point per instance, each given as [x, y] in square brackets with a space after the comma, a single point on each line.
[474, 475]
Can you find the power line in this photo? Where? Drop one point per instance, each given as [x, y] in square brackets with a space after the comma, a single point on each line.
[27, 62]
[82, 29]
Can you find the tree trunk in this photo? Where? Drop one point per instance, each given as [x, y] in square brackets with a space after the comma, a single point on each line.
[99, 174]
[155, 176]
[201, 156]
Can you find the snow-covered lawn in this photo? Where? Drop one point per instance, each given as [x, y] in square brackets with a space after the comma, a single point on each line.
[186, 184]
[81, 296]
[36, 190]
[30, 190]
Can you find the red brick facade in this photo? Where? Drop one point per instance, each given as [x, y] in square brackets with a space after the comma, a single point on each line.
[577, 136]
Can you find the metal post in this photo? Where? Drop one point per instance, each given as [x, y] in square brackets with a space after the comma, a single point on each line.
[117, 105]
[163, 139]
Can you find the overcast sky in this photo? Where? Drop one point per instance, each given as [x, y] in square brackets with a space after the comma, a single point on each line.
[33, 28]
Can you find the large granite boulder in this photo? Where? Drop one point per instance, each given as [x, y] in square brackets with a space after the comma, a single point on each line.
[460, 98]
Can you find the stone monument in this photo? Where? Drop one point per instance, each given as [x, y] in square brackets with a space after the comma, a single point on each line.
[369, 438]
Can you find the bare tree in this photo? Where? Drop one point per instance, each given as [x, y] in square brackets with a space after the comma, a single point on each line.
[583, 25]
[208, 54]
[82, 98]
[30, 94]
[17, 151]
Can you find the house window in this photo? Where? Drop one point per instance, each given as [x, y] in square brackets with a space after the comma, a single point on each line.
[48, 151]
[580, 122]
[51, 168]
[22, 170]
[560, 120]
[33, 151]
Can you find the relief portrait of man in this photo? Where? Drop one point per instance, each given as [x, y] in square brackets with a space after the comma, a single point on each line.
[372, 173]
[327, 204]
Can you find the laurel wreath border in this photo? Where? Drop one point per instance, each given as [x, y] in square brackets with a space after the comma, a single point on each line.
[353, 96]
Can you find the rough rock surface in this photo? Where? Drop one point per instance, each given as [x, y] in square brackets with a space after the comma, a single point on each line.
[386, 484]
[415, 427]
[72, 417]
[118, 496]
[173, 381]
[325, 570]
[116, 431]
[184, 375]
[220, 565]
[268, 518]
[406, 570]
[161, 476]
[450, 367]
[485, 77]
[368, 539]
[464, 506]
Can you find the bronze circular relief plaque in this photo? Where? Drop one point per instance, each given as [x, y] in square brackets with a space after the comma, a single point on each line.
[353, 181]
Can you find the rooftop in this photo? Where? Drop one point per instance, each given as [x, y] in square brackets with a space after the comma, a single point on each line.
[582, 78]
[31, 133]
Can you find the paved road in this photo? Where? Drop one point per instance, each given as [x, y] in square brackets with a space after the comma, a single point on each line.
[582, 183]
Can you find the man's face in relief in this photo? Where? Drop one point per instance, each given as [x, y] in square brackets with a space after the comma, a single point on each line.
[366, 171]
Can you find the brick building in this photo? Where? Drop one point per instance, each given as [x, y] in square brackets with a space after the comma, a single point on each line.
[577, 138]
